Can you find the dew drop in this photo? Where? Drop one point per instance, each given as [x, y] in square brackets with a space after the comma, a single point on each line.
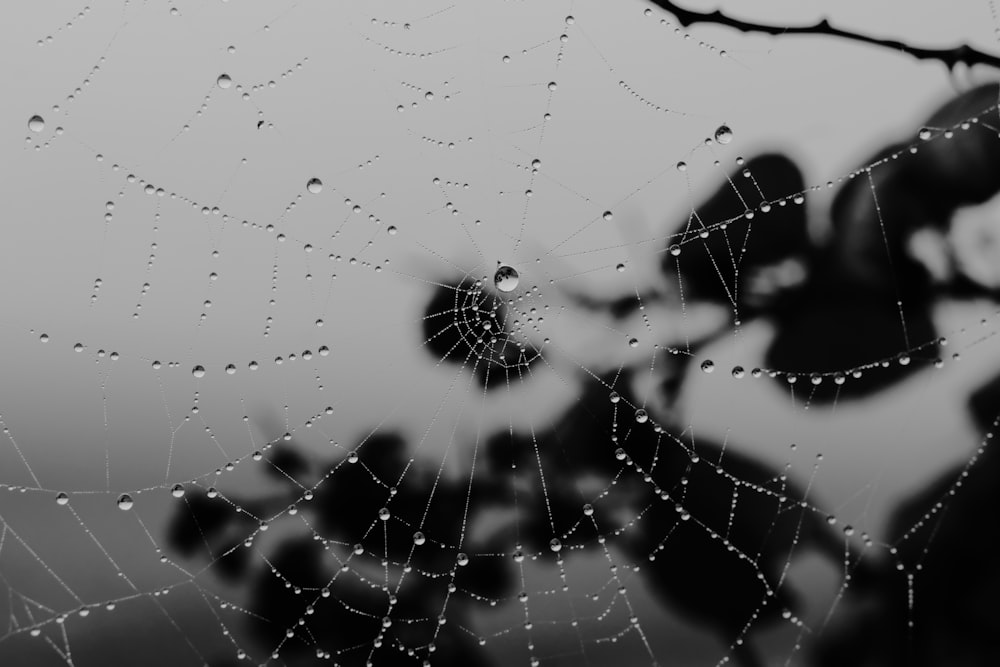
[555, 544]
[614, 397]
[588, 510]
[198, 371]
[682, 166]
[418, 538]
[36, 123]
[177, 491]
[506, 278]
[314, 185]
[675, 250]
[723, 134]
[738, 372]
[125, 502]
[462, 560]
[620, 268]
[61, 498]
[384, 514]
[924, 134]
[708, 365]
[224, 81]
[641, 416]
[633, 342]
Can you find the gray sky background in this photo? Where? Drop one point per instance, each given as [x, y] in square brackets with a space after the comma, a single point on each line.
[95, 428]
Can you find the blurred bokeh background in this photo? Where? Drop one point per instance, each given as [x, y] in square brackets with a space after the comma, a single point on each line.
[841, 236]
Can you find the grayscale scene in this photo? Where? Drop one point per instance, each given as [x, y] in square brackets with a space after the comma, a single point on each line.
[491, 332]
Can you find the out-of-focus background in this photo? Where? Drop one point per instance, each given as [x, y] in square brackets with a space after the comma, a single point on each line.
[248, 250]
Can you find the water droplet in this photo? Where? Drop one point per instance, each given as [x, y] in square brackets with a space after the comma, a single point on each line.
[352, 457]
[418, 538]
[36, 123]
[506, 278]
[588, 510]
[641, 416]
[608, 216]
[315, 186]
[198, 371]
[614, 397]
[675, 250]
[384, 514]
[61, 498]
[682, 166]
[904, 359]
[230, 369]
[462, 560]
[708, 365]
[633, 342]
[518, 556]
[620, 454]
[125, 502]
[177, 491]
[620, 268]
[723, 134]
[925, 133]
[555, 544]
[224, 81]
[738, 372]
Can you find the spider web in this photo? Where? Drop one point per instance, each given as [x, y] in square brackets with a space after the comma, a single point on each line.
[484, 333]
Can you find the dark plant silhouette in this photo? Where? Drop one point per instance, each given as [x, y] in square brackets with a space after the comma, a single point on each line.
[713, 525]
[455, 330]
[329, 591]
[852, 317]
[962, 53]
[943, 557]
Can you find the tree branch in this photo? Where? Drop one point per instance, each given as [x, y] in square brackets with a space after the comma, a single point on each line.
[962, 53]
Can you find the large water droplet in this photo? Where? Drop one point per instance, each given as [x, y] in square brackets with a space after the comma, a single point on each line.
[418, 538]
[36, 123]
[641, 416]
[177, 491]
[315, 186]
[555, 544]
[224, 81]
[708, 365]
[125, 502]
[61, 498]
[463, 559]
[198, 371]
[506, 278]
[723, 134]
[384, 514]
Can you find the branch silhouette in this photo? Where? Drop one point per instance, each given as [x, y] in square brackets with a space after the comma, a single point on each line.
[963, 53]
